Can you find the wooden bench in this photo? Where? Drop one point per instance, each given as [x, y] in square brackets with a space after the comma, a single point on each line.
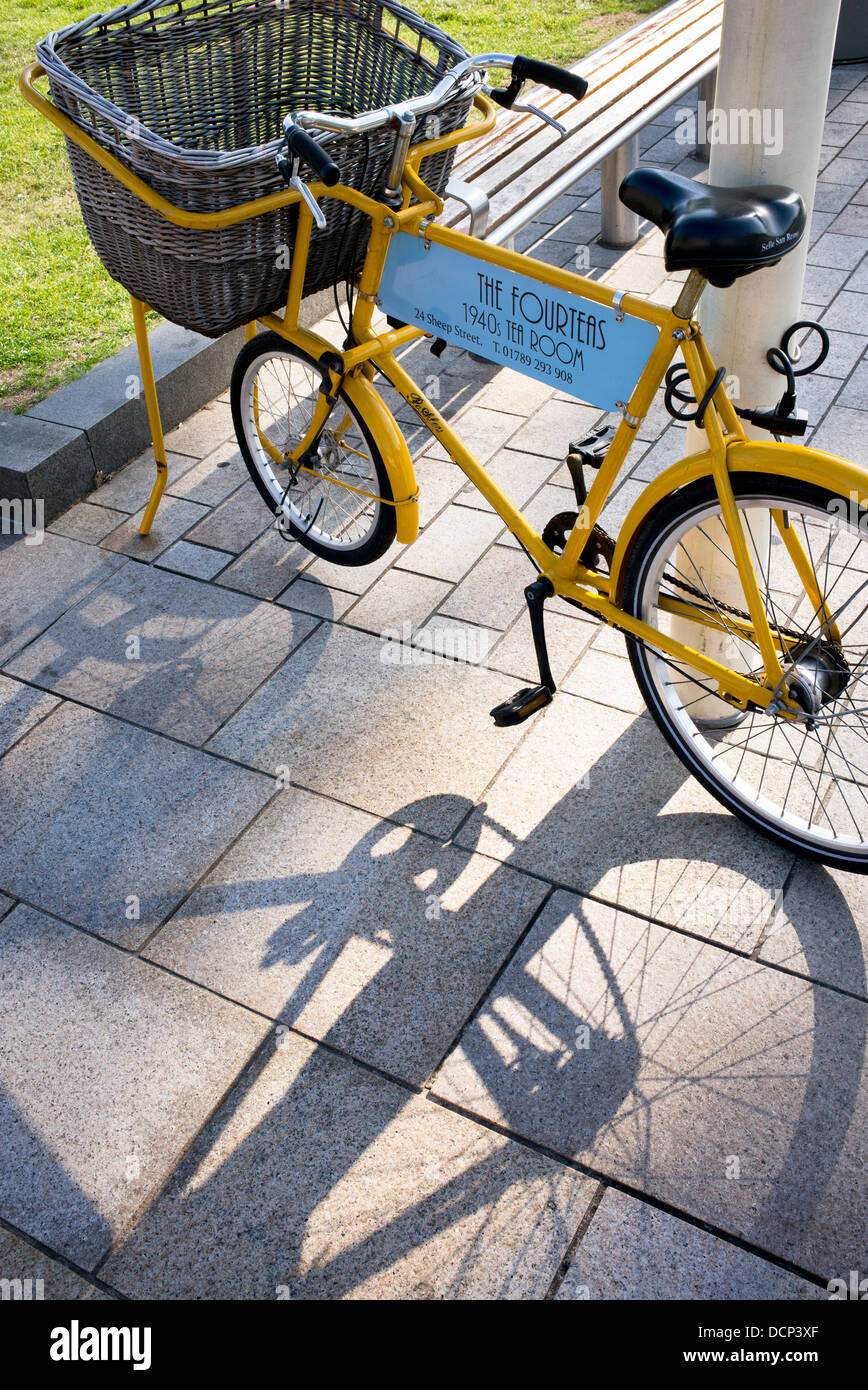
[523, 166]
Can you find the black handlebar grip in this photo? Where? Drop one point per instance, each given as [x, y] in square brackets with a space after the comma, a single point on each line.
[549, 75]
[313, 154]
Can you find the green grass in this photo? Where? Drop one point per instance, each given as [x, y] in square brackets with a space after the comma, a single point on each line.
[61, 312]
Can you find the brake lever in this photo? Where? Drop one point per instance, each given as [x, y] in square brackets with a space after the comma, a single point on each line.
[291, 174]
[317, 213]
[535, 111]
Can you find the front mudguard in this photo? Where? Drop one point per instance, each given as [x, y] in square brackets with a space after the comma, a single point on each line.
[751, 456]
[390, 442]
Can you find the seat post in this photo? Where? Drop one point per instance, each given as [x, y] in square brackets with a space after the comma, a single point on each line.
[689, 296]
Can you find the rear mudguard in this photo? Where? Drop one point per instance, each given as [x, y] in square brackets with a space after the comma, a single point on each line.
[389, 440]
[788, 460]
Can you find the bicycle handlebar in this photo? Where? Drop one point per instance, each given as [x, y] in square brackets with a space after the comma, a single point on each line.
[400, 113]
[304, 147]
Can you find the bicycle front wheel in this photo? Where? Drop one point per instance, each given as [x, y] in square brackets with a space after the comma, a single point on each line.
[802, 782]
[339, 505]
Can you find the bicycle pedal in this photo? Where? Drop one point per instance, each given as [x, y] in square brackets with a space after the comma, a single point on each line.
[523, 704]
[593, 448]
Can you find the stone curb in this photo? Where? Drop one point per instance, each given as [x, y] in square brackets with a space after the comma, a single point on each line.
[97, 424]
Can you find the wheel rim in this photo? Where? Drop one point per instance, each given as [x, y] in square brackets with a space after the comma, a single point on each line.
[330, 503]
[807, 781]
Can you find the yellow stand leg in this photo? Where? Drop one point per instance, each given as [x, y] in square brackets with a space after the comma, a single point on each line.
[153, 416]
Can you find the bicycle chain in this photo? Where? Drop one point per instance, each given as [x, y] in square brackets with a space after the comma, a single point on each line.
[729, 608]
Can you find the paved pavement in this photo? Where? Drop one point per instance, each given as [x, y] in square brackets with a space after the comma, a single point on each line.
[318, 985]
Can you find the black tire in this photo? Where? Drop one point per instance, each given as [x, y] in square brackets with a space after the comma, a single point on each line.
[647, 572]
[368, 527]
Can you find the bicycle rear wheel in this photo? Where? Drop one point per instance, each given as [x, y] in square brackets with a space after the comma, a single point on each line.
[339, 506]
[803, 783]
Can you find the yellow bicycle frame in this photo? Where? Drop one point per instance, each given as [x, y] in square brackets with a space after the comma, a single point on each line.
[729, 449]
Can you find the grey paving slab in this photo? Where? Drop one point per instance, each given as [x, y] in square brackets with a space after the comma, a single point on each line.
[196, 561]
[203, 432]
[635, 1251]
[437, 484]
[843, 252]
[214, 478]
[164, 651]
[567, 638]
[173, 520]
[32, 1275]
[858, 279]
[822, 283]
[128, 490]
[843, 432]
[838, 133]
[517, 474]
[616, 815]
[854, 392]
[605, 679]
[454, 640]
[359, 1190]
[846, 312]
[852, 111]
[451, 544]
[5, 904]
[482, 431]
[21, 707]
[548, 502]
[553, 427]
[832, 197]
[352, 579]
[844, 352]
[85, 522]
[267, 567]
[310, 596]
[97, 1116]
[843, 169]
[820, 929]
[513, 393]
[40, 582]
[236, 523]
[683, 1071]
[359, 932]
[851, 221]
[345, 718]
[109, 826]
[819, 222]
[397, 605]
[492, 594]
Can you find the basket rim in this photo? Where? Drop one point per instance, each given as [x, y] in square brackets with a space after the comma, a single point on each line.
[197, 160]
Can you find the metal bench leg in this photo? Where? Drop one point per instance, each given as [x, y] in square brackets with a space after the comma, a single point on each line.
[153, 415]
[475, 200]
[620, 225]
[705, 104]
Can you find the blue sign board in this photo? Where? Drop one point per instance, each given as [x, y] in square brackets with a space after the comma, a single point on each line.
[572, 343]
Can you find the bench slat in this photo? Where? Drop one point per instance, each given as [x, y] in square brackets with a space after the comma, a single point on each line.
[683, 17]
[620, 97]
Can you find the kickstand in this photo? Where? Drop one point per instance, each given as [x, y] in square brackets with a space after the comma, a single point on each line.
[533, 697]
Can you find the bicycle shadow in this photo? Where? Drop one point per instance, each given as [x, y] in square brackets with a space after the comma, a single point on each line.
[331, 1225]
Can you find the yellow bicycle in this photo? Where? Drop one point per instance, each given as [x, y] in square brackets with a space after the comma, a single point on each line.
[739, 577]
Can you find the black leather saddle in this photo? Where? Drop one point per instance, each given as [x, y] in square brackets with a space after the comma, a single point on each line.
[721, 232]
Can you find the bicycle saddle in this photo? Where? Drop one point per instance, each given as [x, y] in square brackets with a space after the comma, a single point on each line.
[721, 232]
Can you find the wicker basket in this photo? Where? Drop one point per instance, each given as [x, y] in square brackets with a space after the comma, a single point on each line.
[190, 95]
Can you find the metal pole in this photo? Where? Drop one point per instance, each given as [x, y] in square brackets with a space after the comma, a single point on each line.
[766, 128]
[620, 225]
